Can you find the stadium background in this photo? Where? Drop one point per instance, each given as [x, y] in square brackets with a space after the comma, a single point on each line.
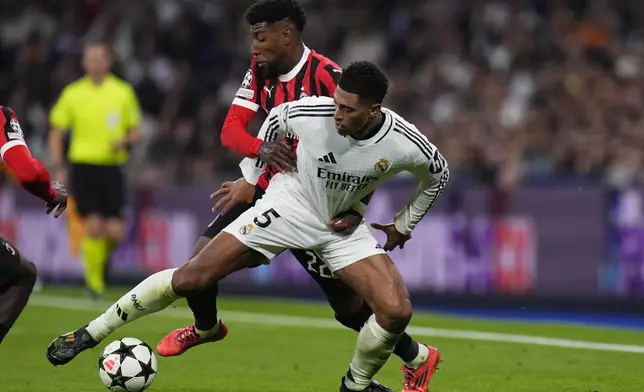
[535, 104]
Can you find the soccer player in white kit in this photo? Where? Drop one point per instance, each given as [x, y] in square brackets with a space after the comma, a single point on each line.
[366, 144]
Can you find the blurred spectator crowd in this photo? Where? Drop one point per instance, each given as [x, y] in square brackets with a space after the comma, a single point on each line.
[509, 90]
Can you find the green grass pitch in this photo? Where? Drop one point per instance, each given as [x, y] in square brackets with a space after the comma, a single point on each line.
[268, 352]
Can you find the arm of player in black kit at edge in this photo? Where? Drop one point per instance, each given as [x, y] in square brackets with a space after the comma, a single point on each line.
[274, 127]
[433, 175]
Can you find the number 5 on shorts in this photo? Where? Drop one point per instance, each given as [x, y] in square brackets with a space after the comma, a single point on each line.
[264, 223]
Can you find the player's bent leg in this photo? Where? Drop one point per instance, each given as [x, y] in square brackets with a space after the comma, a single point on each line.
[377, 281]
[15, 292]
[155, 293]
[342, 299]
[114, 230]
[204, 304]
[351, 310]
[179, 341]
[94, 251]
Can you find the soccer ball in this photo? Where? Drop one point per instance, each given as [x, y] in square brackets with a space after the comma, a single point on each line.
[127, 364]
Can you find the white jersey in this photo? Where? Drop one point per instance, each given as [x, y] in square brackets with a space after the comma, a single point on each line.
[335, 172]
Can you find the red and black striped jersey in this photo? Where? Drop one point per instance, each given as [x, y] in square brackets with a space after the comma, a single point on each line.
[31, 173]
[11, 135]
[314, 75]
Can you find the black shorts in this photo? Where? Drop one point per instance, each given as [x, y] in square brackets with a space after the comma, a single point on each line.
[9, 261]
[98, 190]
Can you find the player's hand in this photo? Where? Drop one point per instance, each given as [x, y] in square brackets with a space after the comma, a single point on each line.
[233, 192]
[279, 155]
[120, 145]
[345, 222]
[60, 200]
[394, 237]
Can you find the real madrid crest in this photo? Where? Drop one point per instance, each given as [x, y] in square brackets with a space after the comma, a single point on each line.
[382, 165]
[246, 229]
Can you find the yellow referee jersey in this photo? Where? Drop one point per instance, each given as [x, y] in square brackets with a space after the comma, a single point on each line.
[97, 116]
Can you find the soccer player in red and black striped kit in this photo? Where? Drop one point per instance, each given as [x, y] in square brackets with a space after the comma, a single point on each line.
[282, 69]
[17, 274]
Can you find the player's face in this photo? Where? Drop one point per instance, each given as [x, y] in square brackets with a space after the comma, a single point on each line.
[96, 60]
[351, 114]
[268, 48]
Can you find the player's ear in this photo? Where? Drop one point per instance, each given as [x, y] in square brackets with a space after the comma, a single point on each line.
[287, 35]
[375, 108]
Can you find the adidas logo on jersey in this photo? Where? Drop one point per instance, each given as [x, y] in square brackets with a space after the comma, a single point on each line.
[328, 158]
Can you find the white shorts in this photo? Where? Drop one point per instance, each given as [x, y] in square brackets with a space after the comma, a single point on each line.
[269, 227]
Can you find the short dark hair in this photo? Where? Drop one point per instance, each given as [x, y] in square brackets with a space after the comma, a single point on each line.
[271, 11]
[366, 80]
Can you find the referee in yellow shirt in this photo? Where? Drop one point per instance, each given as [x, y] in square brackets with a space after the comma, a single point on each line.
[102, 113]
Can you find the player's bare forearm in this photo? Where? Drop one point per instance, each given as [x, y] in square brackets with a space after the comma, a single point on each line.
[346, 222]
[134, 135]
[56, 148]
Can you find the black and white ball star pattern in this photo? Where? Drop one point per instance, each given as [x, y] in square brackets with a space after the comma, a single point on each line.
[127, 364]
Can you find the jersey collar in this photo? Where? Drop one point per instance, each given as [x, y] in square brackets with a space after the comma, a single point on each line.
[292, 73]
[386, 127]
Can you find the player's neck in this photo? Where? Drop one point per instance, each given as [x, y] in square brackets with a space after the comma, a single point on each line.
[290, 63]
[97, 79]
[370, 128]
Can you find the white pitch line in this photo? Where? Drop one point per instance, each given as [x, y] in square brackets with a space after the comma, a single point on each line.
[59, 302]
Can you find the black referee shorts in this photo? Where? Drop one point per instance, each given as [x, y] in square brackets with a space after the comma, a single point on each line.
[9, 261]
[98, 190]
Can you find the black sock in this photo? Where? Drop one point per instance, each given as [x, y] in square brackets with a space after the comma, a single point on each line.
[204, 308]
[357, 319]
[406, 348]
[3, 331]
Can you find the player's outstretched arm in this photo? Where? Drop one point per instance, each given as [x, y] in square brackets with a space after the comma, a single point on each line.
[30, 172]
[234, 134]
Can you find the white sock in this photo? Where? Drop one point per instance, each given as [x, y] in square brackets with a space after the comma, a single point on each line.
[152, 295]
[423, 353]
[373, 348]
[208, 333]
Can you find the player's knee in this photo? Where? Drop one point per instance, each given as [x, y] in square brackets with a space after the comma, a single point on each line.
[28, 272]
[114, 231]
[395, 314]
[190, 280]
[187, 281]
[93, 226]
